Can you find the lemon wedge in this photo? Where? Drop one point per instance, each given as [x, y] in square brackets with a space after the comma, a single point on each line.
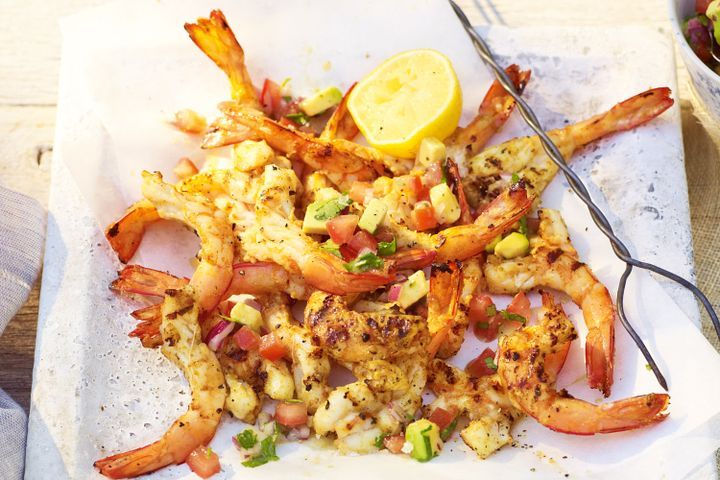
[410, 96]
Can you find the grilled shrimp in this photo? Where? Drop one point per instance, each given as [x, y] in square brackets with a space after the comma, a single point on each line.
[494, 110]
[386, 352]
[522, 359]
[182, 344]
[451, 290]
[216, 39]
[277, 236]
[126, 234]
[554, 263]
[491, 169]
[310, 363]
[214, 272]
[350, 336]
[355, 162]
[483, 400]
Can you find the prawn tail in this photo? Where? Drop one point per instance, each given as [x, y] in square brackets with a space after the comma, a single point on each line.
[126, 234]
[148, 328]
[626, 115]
[134, 462]
[216, 39]
[633, 412]
[139, 280]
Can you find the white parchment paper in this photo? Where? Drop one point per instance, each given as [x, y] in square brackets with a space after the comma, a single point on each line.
[127, 67]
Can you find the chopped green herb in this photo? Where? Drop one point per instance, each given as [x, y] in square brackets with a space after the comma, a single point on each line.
[380, 440]
[444, 170]
[285, 82]
[247, 438]
[490, 363]
[363, 263]
[447, 431]
[483, 325]
[648, 367]
[267, 451]
[515, 178]
[387, 248]
[331, 247]
[287, 98]
[491, 311]
[208, 452]
[523, 226]
[299, 118]
[332, 208]
[513, 317]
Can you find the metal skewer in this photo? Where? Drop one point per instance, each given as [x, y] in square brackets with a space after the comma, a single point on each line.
[578, 187]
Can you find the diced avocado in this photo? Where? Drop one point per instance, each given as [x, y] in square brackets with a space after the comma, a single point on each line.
[321, 101]
[713, 13]
[373, 215]
[491, 246]
[244, 313]
[414, 288]
[310, 223]
[514, 245]
[425, 438]
[431, 151]
[447, 208]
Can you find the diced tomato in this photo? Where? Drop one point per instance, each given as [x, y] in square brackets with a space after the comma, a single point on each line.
[701, 6]
[203, 462]
[270, 98]
[291, 414]
[418, 188]
[246, 339]
[363, 240]
[479, 366]
[423, 216]
[488, 331]
[394, 443]
[441, 417]
[341, 228]
[271, 348]
[432, 176]
[359, 191]
[480, 307]
[520, 305]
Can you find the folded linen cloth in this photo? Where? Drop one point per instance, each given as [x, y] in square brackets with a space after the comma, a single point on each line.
[22, 229]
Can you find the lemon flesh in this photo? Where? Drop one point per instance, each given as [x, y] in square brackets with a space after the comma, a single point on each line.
[410, 96]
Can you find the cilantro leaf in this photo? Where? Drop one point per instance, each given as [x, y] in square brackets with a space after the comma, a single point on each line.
[523, 228]
[515, 178]
[490, 311]
[299, 118]
[513, 317]
[380, 440]
[490, 363]
[483, 325]
[332, 208]
[267, 451]
[363, 263]
[247, 438]
[387, 248]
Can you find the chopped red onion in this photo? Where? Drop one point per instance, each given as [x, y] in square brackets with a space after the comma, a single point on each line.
[251, 302]
[365, 250]
[394, 292]
[218, 333]
[300, 433]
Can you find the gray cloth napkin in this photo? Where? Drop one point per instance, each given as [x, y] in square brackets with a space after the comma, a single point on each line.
[22, 229]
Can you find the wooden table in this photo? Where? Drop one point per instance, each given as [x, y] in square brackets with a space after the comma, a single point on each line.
[29, 63]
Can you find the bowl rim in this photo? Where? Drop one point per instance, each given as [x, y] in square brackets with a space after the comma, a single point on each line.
[682, 41]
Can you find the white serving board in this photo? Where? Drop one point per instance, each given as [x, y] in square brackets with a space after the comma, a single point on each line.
[97, 392]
